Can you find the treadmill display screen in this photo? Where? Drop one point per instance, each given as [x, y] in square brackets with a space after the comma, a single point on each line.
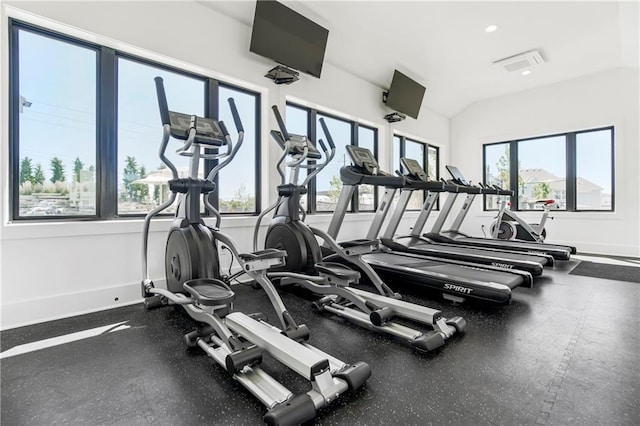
[413, 167]
[361, 155]
[457, 175]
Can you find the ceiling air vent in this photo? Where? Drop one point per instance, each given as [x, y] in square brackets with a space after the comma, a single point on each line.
[520, 62]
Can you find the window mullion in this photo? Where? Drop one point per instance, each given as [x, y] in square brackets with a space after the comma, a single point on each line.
[514, 173]
[212, 110]
[107, 135]
[571, 172]
[355, 205]
[311, 187]
[14, 120]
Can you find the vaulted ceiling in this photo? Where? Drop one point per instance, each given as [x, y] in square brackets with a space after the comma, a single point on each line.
[444, 46]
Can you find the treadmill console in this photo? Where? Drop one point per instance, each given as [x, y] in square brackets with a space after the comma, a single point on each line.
[364, 159]
[297, 145]
[457, 176]
[414, 169]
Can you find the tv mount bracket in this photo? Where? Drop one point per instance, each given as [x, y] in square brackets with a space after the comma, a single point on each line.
[394, 117]
[283, 75]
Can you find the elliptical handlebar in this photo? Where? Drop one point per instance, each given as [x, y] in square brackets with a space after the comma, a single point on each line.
[162, 100]
[236, 116]
[283, 128]
[325, 129]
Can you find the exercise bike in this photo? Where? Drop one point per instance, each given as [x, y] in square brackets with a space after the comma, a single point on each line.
[305, 266]
[509, 226]
[236, 341]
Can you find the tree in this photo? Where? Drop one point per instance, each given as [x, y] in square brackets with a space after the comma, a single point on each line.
[141, 189]
[38, 175]
[541, 190]
[130, 174]
[335, 186]
[57, 170]
[78, 166]
[26, 171]
[503, 165]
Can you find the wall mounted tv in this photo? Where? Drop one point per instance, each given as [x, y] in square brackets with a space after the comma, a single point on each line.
[288, 38]
[405, 95]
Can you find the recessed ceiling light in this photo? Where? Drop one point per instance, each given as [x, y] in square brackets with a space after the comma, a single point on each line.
[491, 28]
[526, 72]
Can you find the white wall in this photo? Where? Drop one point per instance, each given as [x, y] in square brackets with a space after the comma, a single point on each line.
[603, 99]
[52, 270]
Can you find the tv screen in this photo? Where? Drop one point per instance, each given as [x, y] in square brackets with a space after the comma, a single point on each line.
[288, 38]
[405, 95]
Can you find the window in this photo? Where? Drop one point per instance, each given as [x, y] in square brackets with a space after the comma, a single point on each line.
[55, 120]
[85, 134]
[594, 170]
[542, 166]
[423, 153]
[237, 183]
[142, 177]
[325, 188]
[367, 195]
[575, 169]
[497, 169]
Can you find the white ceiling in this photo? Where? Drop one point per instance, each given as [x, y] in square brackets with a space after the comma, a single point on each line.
[444, 46]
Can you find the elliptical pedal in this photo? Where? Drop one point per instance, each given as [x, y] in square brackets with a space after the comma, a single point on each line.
[210, 291]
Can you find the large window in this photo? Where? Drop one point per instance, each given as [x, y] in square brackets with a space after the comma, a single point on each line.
[325, 189]
[575, 169]
[426, 155]
[85, 134]
[55, 117]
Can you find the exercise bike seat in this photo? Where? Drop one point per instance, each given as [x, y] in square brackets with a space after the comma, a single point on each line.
[337, 270]
[209, 291]
[270, 253]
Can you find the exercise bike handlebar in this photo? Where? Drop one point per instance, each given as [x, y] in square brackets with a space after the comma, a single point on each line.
[283, 129]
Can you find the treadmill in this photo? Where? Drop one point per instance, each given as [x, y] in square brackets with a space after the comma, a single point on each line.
[416, 179]
[456, 280]
[454, 236]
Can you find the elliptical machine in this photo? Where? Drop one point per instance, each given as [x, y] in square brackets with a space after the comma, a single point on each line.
[305, 266]
[236, 341]
[509, 226]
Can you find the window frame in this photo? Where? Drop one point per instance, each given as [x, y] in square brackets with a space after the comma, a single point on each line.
[312, 132]
[106, 202]
[571, 169]
[425, 160]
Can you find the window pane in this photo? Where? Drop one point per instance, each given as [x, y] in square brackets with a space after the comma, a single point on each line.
[142, 177]
[237, 181]
[328, 183]
[57, 127]
[593, 170]
[297, 121]
[542, 171]
[366, 193]
[397, 143]
[432, 166]
[497, 165]
[415, 151]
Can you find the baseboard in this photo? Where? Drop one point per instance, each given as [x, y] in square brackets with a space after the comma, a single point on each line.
[33, 311]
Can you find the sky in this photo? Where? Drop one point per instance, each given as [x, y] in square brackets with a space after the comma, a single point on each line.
[61, 120]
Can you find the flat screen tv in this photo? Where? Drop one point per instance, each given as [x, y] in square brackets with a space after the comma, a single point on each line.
[288, 38]
[405, 95]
